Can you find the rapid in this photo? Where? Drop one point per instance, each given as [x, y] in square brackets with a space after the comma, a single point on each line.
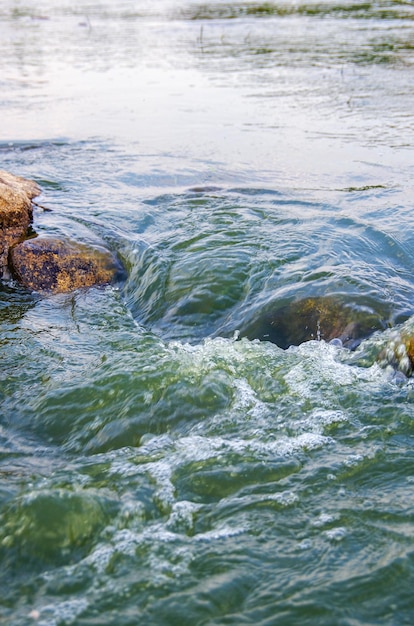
[159, 465]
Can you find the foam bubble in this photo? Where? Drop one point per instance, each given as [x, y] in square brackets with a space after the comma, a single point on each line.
[336, 534]
[324, 519]
[182, 516]
[61, 613]
[284, 499]
[222, 532]
[319, 419]
[353, 460]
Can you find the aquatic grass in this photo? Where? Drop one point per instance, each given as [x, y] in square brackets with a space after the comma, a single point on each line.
[385, 9]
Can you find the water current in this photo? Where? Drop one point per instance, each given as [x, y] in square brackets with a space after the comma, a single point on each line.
[158, 464]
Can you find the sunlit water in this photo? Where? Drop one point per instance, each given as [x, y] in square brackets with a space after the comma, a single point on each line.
[159, 467]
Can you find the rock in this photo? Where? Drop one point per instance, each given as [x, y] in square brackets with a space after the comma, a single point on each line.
[51, 265]
[19, 184]
[323, 317]
[44, 264]
[15, 211]
[398, 352]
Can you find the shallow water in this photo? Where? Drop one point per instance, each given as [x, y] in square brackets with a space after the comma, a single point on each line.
[158, 466]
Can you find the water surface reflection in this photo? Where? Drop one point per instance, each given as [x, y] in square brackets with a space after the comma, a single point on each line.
[160, 464]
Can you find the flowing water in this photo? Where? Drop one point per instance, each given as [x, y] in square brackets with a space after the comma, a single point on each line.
[158, 465]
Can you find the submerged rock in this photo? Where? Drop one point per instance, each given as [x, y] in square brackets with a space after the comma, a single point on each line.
[324, 317]
[16, 194]
[51, 265]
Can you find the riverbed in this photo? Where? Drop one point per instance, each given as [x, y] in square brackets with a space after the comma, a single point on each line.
[159, 465]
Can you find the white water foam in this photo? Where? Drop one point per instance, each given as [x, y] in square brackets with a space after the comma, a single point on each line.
[65, 612]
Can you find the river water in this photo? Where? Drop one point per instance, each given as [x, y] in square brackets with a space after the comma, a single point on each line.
[158, 466]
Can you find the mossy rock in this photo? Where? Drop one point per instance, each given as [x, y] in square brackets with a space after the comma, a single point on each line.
[51, 265]
[16, 194]
[317, 318]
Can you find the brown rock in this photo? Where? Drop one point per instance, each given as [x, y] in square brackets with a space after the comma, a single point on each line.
[409, 345]
[50, 265]
[15, 211]
[317, 318]
[19, 184]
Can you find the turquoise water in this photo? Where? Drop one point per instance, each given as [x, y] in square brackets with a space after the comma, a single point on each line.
[158, 465]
